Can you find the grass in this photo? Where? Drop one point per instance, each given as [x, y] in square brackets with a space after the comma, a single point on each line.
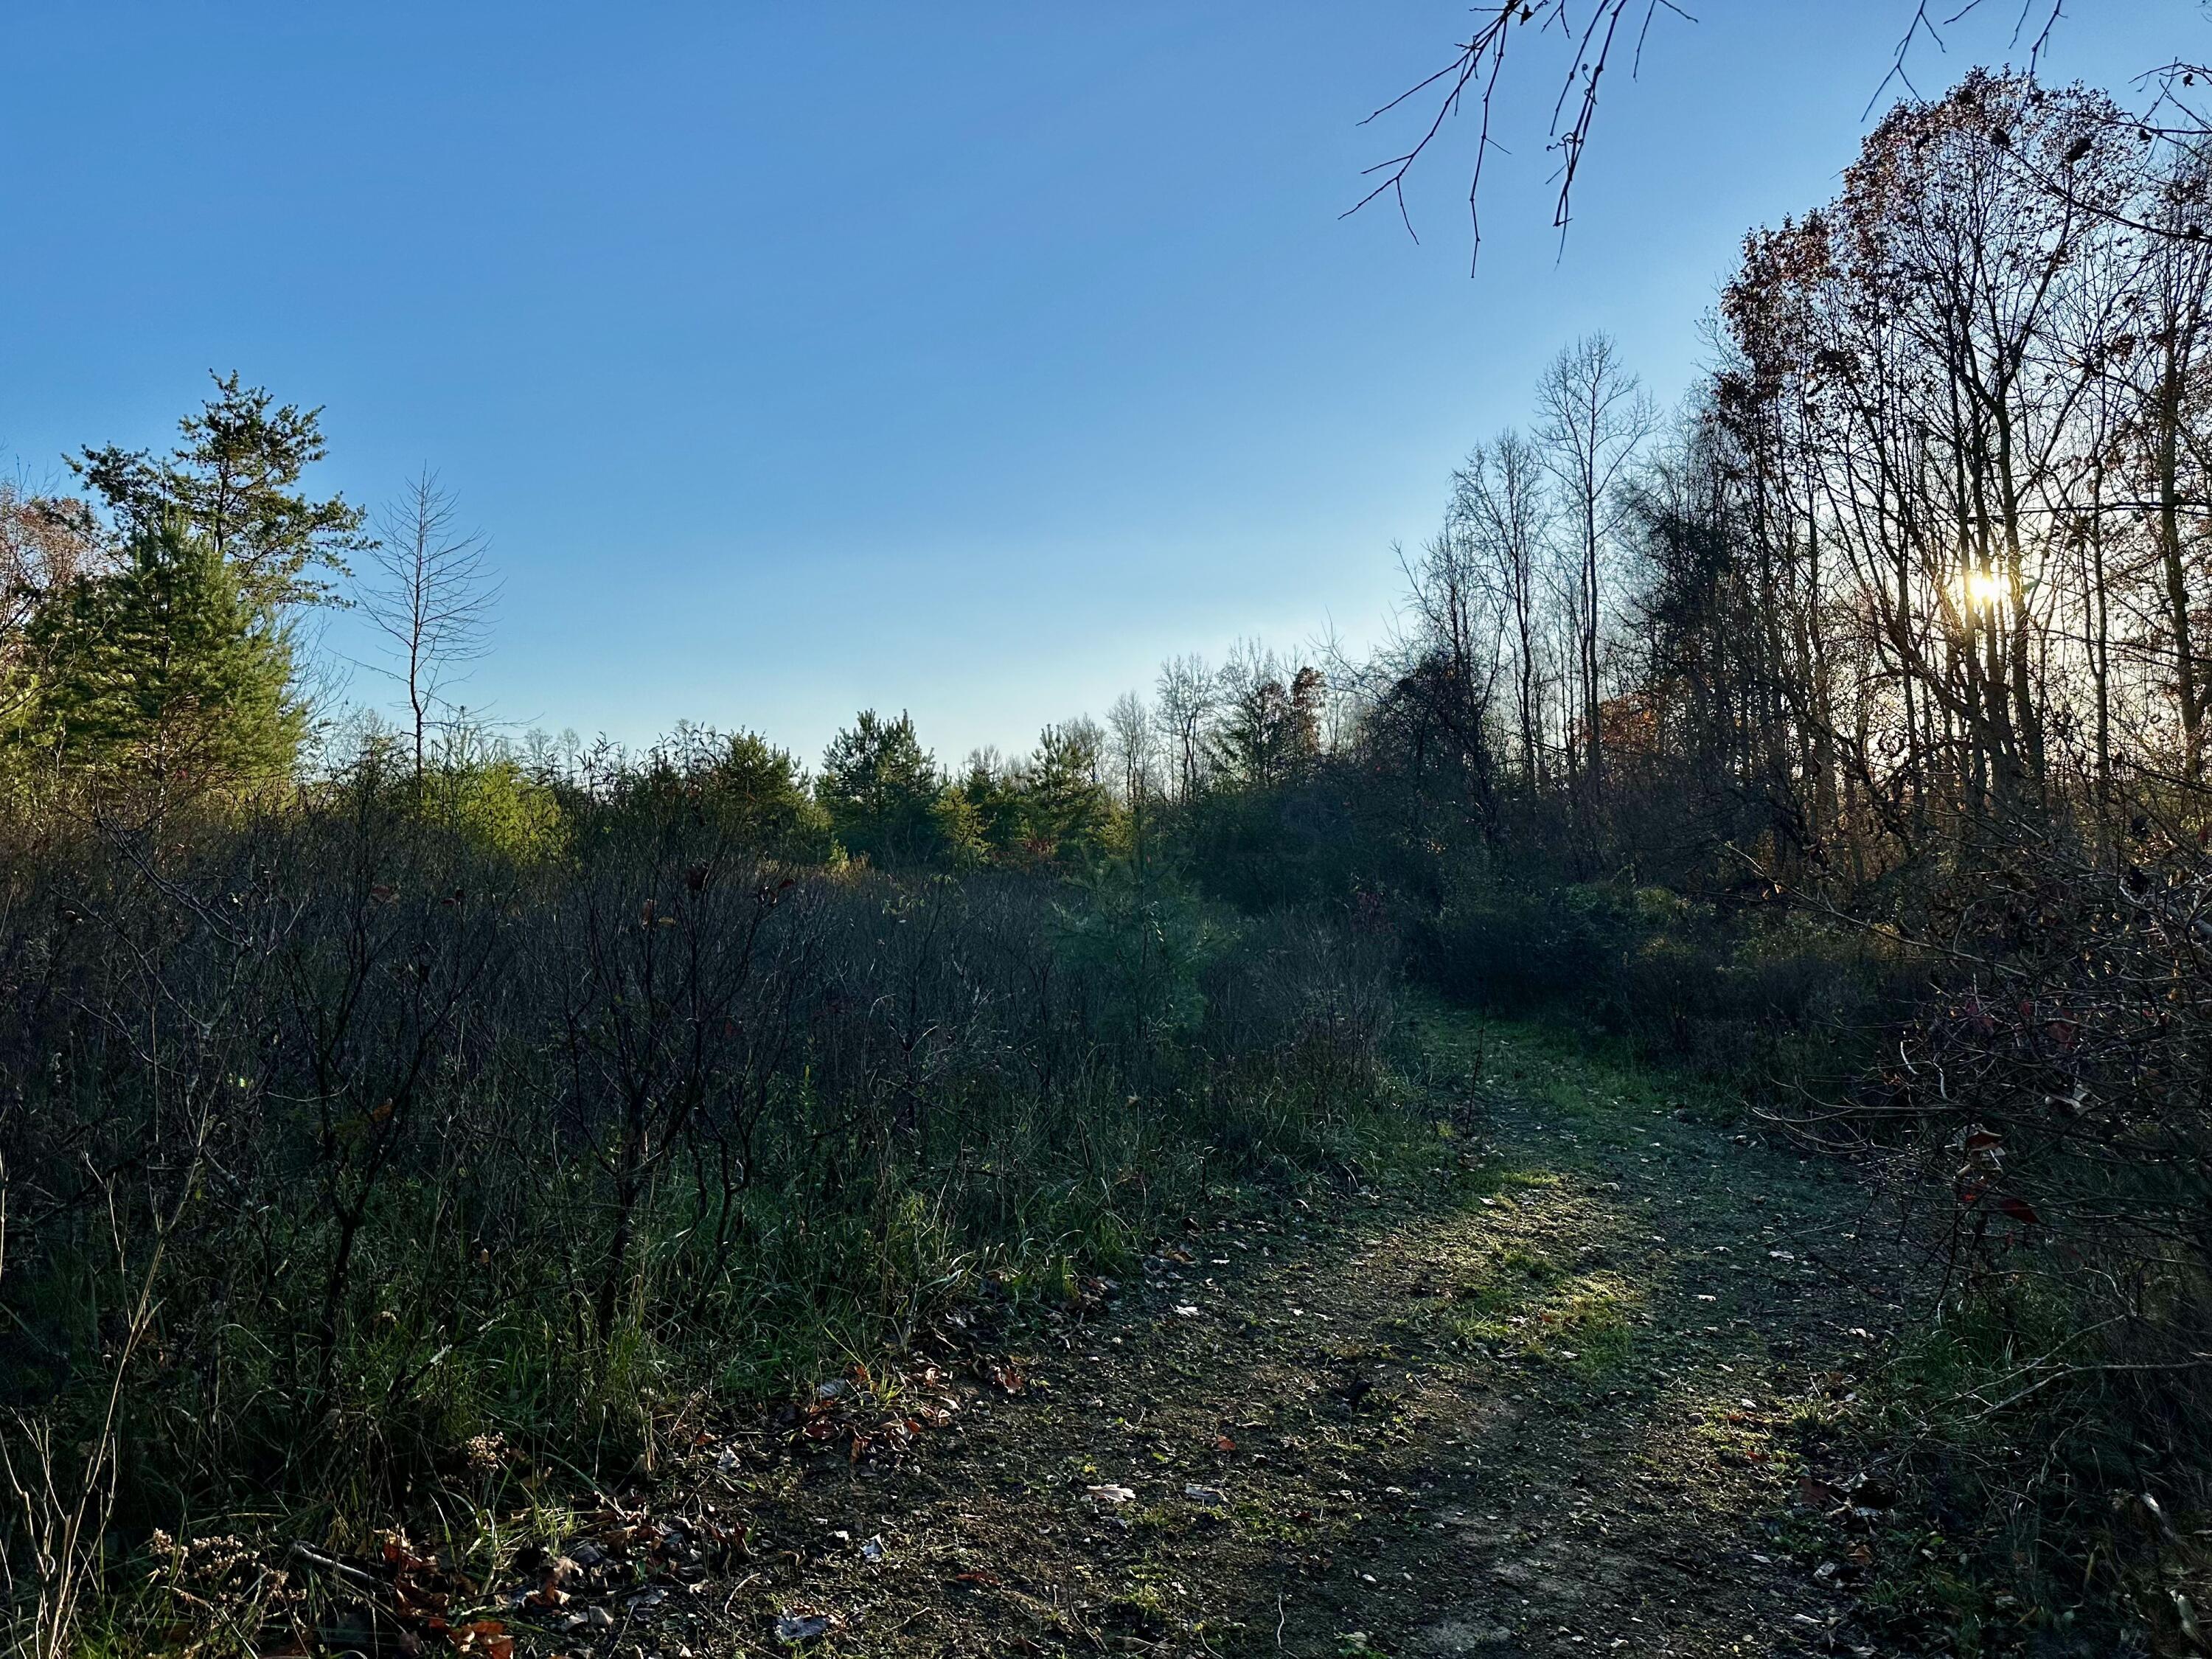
[1534, 1256]
[2022, 1554]
[1007, 1242]
[1529, 1306]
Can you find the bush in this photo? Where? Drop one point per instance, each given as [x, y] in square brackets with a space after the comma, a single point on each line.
[2045, 1116]
[1748, 996]
[370, 1126]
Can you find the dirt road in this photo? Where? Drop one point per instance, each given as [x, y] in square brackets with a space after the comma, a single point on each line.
[1574, 1384]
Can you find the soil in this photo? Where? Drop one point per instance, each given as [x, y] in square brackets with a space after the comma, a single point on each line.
[1574, 1375]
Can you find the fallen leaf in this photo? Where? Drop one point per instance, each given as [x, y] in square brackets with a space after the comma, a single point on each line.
[487, 1637]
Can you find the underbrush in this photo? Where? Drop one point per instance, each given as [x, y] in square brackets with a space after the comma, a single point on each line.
[2026, 1087]
[2022, 1514]
[361, 1166]
[2042, 1121]
[1753, 997]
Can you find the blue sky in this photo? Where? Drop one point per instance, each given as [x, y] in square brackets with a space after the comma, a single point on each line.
[967, 358]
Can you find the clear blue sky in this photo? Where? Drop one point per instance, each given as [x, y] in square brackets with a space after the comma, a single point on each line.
[967, 358]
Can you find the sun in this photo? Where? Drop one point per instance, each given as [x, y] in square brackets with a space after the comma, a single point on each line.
[1985, 588]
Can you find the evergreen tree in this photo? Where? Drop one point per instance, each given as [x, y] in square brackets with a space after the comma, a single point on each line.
[46, 544]
[996, 803]
[957, 830]
[738, 783]
[235, 482]
[167, 671]
[760, 792]
[1070, 811]
[880, 788]
[741, 783]
[1269, 732]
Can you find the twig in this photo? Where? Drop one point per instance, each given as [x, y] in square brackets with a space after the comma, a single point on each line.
[330, 1564]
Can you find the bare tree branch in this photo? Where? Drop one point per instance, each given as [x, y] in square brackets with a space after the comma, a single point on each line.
[1477, 68]
[432, 597]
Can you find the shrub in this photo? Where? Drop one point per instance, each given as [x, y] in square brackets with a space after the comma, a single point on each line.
[361, 1128]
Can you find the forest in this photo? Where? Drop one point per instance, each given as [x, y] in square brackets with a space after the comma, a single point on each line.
[395, 1105]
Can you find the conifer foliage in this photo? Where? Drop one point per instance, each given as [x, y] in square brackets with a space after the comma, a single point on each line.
[164, 669]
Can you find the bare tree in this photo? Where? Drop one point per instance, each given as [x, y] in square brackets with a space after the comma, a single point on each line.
[1132, 747]
[1499, 507]
[1188, 693]
[2176, 288]
[432, 598]
[1593, 418]
[1087, 737]
[46, 543]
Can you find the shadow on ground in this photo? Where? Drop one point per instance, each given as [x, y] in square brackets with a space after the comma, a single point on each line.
[1553, 1396]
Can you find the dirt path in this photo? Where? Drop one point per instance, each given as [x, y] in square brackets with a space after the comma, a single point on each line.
[1567, 1411]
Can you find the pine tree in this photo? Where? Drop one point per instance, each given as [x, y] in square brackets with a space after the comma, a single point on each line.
[235, 481]
[166, 671]
[992, 796]
[1070, 811]
[880, 788]
[738, 783]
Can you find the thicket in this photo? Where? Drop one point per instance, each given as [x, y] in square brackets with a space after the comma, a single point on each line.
[341, 1138]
